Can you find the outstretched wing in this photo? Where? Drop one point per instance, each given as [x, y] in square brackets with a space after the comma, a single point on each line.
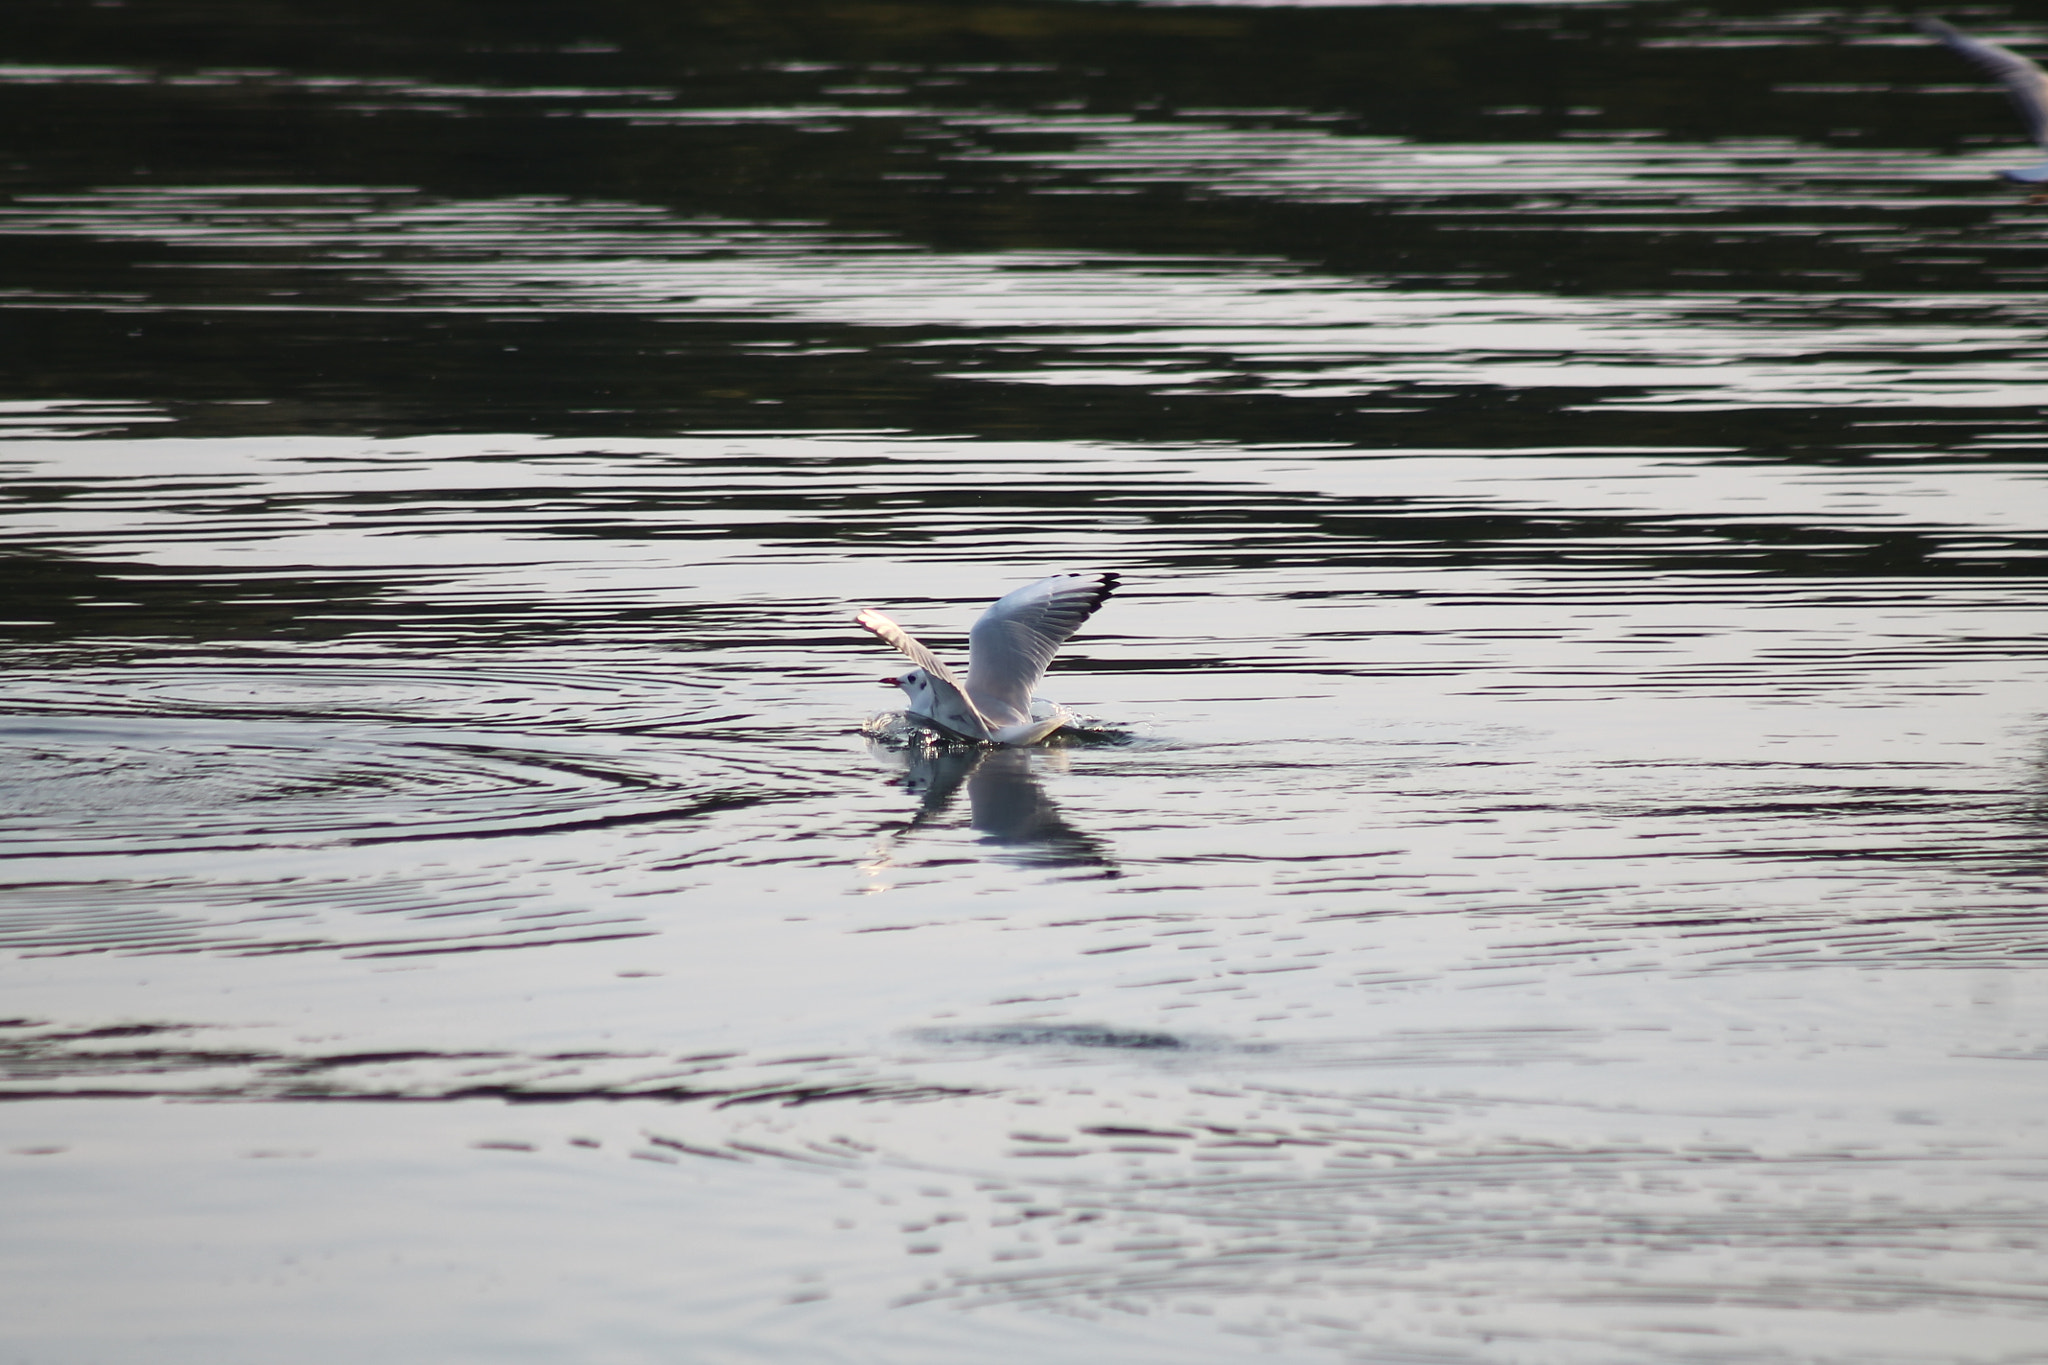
[1010, 646]
[942, 677]
[2023, 80]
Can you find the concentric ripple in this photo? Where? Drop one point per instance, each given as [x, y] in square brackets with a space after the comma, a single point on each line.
[267, 810]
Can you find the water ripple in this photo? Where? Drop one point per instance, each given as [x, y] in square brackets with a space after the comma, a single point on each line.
[271, 810]
[1178, 325]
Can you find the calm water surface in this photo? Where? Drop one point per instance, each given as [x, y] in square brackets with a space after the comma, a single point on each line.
[1554, 865]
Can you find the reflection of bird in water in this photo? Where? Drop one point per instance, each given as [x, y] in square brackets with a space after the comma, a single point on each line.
[1008, 651]
[1006, 804]
[2024, 81]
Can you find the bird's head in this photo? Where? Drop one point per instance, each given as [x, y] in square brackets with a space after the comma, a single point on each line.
[916, 684]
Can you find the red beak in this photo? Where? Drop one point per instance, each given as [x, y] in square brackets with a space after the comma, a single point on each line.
[890, 682]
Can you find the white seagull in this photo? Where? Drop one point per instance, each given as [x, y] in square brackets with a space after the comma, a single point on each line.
[1008, 651]
[2024, 81]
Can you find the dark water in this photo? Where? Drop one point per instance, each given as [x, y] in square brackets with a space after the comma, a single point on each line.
[1553, 867]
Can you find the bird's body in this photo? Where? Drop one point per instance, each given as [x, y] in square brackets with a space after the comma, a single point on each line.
[1008, 651]
[2022, 79]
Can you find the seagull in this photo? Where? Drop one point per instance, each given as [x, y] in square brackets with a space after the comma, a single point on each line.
[2024, 81]
[1008, 650]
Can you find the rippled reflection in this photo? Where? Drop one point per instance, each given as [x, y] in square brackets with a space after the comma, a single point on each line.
[1007, 803]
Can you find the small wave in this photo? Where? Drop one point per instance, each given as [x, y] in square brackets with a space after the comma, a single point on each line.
[900, 732]
[290, 810]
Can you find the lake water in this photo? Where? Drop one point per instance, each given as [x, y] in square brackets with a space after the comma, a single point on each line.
[1554, 866]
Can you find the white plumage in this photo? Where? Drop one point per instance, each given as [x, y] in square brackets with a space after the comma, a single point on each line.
[1008, 651]
[2022, 79]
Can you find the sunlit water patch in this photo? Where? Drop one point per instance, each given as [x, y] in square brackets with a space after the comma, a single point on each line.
[1471, 1181]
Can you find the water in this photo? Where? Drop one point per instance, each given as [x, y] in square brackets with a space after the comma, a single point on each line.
[1553, 867]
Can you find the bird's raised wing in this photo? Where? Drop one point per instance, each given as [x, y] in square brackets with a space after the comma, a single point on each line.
[1010, 646]
[942, 676]
[2023, 80]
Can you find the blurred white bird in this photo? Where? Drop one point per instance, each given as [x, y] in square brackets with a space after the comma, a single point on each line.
[2024, 81]
[1008, 651]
